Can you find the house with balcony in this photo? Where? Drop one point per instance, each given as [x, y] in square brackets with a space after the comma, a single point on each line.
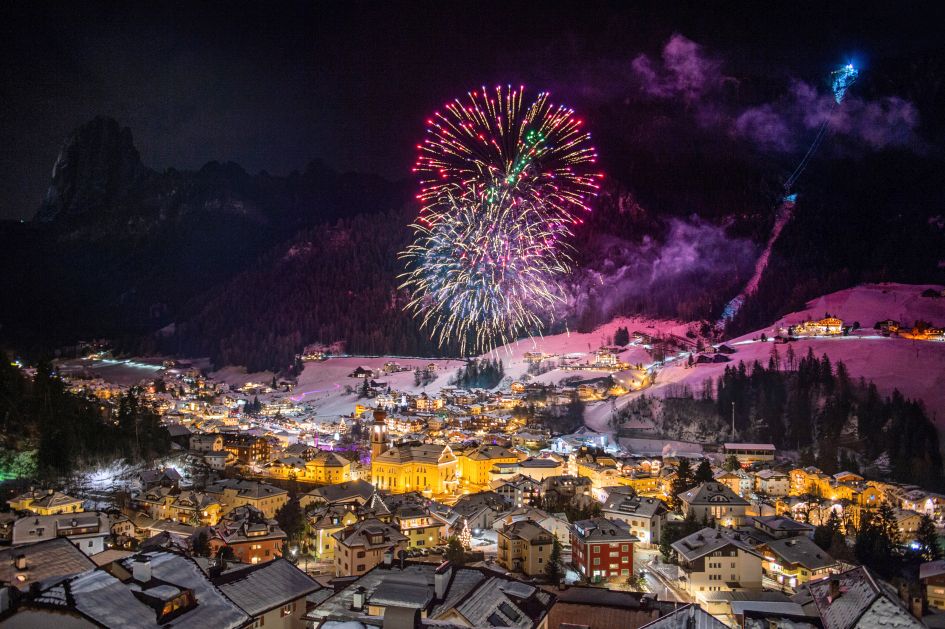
[232, 493]
[714, 502]
[518, 491]
[772, 483]
[525, 547]
[796, 561]
[717, 560]
[644, 516]
[362, 546]
[48, 502]
[249, 534]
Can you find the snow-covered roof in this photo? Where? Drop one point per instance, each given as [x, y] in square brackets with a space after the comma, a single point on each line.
[750, 446]
[257, 589]
[106, 600]
[45, 562]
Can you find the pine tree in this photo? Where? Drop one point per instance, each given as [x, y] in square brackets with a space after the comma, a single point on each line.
[731, 463]
[201, 545]
[703, 472]
[681, 483]
[455, 553]
[927, 538]
[553, 569]
[825, 534]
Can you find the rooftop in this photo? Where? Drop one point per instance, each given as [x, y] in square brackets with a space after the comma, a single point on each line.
[46, 563]
[257, 589]
[858, 595]
[712, 493]
[709, 540]
[603, 530]
[475, 597]
[802, 551]
[111, 602]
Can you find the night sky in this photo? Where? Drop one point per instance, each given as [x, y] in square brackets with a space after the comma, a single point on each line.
[272, 86]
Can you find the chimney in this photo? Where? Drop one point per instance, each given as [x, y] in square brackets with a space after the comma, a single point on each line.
[215, 569]
[20, 562]
[141, 569]
[441, 579]
[916, 607]
[834, 589]
[357, 599]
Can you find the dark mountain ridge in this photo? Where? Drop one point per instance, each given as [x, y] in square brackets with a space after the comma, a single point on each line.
[116, 249]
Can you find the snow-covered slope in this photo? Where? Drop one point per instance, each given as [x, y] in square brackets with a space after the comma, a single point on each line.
[915, 368]
[581, 345]
[322, 384]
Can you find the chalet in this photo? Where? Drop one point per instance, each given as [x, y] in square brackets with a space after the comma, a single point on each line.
[49, 502]
[480, 510]
[233, 493]
[247, 448]
[206, 442]
[361, 372]
[714, 501]
[794, 561]
[780, 527]
[887, 326]
[772, 483]
[908, 522]
[533, 357]
[828, 326]
[518, 491]
[250, 535]
[165, 477]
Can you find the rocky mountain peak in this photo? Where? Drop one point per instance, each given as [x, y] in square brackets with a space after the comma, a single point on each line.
[97, 167]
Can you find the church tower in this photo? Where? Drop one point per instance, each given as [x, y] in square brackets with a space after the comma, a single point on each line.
[378, 434]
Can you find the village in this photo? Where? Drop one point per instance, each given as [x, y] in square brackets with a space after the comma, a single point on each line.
[488, 488]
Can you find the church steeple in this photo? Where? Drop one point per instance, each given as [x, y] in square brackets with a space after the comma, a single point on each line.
[378, 434]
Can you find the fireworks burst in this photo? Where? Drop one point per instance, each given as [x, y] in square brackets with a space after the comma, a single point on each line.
[501, 185]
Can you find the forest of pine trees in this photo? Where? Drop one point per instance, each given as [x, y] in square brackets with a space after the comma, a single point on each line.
[60, 432]
[480, 374]
[337, 284]
[816, 407]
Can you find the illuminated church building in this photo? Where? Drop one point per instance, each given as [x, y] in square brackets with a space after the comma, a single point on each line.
[427, 468]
